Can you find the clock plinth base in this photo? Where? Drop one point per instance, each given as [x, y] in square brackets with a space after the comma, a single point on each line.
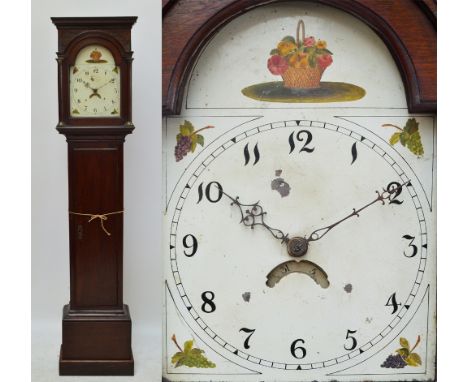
[96, 343]
[95, 367]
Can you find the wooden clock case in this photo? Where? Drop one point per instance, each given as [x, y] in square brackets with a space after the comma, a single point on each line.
[96, 325]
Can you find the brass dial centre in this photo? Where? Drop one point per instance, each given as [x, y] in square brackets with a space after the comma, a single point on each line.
[297, 246]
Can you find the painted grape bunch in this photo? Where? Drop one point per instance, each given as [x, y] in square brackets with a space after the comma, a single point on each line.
[187, 140]
[405, 356]
[408, 136]
[190, 356]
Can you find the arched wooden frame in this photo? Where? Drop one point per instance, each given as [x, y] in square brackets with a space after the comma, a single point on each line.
[67, 58]
[407, 27]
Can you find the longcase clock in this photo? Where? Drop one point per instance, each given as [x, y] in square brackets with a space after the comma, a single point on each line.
[299, 146]
[94, 77]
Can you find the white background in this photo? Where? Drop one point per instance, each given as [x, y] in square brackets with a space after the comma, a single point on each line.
[19, 62]
[142, 174]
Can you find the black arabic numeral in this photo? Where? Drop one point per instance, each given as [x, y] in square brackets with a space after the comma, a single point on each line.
[294, 349]
[208, 305]
[218, 196]
[247, 154]
[299, 137]
[292, 145]
[208, 193]
[354, 152]
[354, 341]
[413, 247]
[246, 342]
[395, 186]
[190, 244]
[392, 301]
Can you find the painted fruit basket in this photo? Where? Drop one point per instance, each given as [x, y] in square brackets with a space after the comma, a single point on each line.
[300, 61]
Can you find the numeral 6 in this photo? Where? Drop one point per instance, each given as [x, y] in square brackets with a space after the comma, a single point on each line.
[295, 349]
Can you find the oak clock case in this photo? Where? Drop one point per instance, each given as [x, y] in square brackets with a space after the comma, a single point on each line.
[299, 239]
[94, 75]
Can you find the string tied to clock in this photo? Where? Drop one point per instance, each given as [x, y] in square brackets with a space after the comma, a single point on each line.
[101, 217]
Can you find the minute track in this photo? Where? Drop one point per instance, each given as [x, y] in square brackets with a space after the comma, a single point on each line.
[199, 170]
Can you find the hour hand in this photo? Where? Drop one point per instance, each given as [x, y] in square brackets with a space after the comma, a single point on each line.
[95, 93]
[389, 193]
[253, 215]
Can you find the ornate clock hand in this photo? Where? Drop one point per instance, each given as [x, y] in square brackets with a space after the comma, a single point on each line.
[254, 216]
[108, 82]
[95, 90]
[385, 195]
[95, 93]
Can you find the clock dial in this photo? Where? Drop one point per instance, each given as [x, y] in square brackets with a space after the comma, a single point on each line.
[288, 213]
[94, 84]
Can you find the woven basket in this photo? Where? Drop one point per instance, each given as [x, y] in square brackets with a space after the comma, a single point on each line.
[302, 78]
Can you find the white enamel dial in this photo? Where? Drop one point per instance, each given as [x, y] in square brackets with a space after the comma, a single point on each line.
[94, 84]
[359, 278]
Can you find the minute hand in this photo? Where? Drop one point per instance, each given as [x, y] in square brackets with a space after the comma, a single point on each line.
[253, 215]
[386, 194]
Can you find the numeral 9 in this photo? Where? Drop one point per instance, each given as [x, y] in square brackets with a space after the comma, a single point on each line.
[190, 242]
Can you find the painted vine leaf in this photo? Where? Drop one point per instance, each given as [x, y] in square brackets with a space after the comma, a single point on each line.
[188, 139]
[413, 360]
[404, 356]
[409, 136]
[404, 343]
[190, 356]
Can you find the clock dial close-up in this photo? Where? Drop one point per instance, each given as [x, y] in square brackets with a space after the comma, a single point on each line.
[299, 221]
[233, 235]
[94, 84]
